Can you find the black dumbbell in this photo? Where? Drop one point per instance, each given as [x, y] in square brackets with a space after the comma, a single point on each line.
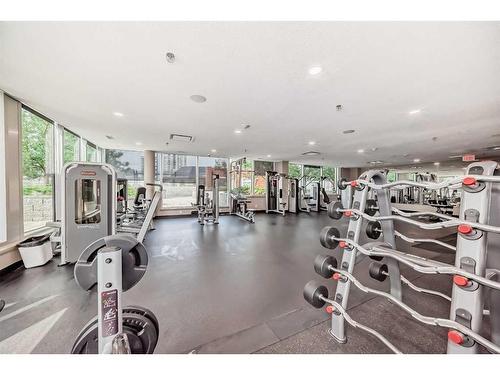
[378, 271]
[373, 230]
[371, 207]
[342, 183]
[334, 210]
[328, 237]
[314, 292]
[323, 265]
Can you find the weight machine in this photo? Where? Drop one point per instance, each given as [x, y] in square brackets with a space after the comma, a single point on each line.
[89, 209]
[239, 207]
[310, 202]
[208, 208]
[294, 195]
[275, 185]
[475, 273]
[115, 264]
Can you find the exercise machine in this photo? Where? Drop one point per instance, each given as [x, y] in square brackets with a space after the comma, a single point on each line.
[325, 199]
[115, 264]
[293, 195]
[88, 207]
[275, 201]
[138, 221]
[239, 207]
[310, 201]
[208, 208]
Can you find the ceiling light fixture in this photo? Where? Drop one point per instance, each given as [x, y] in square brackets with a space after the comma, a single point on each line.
[198, 98]
[348, 131]
[170, 57]
[268, 156]
[118, 114]
[436, 163]
[237, 131]
[213, 150]
[360, 151]
[315, 70]
[312, 143]
[415, 111]
[416, 160]
[138, 143]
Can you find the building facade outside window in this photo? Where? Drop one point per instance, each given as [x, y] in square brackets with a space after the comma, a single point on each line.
[128, 165]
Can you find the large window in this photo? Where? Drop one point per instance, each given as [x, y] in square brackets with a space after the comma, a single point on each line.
[295, 171]
[329, 175]
[91, 152]
[128, 165]
[71, 147]
[177, 174]
[38, 170]
[207, 167]
[260, 168]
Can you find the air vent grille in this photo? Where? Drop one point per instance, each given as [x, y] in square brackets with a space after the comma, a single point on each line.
[181, 138]
[311, 153]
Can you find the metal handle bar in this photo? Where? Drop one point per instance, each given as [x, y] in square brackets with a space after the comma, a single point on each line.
[356, 324]
[439, 322]
[424, 240]
[429, 185]
[431, 226]
[420, 264]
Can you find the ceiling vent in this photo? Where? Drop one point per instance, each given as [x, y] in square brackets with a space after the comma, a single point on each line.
[311, 153]
[181, 138]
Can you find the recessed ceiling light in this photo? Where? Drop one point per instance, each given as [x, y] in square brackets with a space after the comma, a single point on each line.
[415, 111]
[496, 148]
[268, 156]
[213, 150]
[118, 114]
[315, 70]
[138, 143]
[360, 151]
[198, 98]
[349, 131]
[416, 160]
[436, 163]
[373, 149]
[237, 131]
[312, 143]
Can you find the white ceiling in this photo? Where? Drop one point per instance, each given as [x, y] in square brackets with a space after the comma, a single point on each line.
[256, 73]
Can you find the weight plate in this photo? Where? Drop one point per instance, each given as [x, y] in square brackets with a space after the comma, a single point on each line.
[322, 264]
[327, 237]
[134, 261]
[371, 207]
[376, 271]
[145, 335]
[341, 182]
[334, 210]
[141, 333]
[373, 230]
[144, 312]
[312, 291]
[87, 342]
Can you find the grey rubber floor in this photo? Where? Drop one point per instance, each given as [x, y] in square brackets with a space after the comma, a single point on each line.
[235, 287]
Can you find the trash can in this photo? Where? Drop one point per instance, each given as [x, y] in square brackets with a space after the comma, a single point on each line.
[36, 251]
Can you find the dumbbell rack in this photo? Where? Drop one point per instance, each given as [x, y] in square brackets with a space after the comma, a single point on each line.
[474, 268]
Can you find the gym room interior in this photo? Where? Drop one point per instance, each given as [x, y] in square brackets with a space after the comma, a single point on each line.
[232, 187]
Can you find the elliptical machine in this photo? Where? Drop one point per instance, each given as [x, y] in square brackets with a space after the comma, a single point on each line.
[208, 209]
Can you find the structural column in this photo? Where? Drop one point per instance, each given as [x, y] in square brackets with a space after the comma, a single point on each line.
[149, 172]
